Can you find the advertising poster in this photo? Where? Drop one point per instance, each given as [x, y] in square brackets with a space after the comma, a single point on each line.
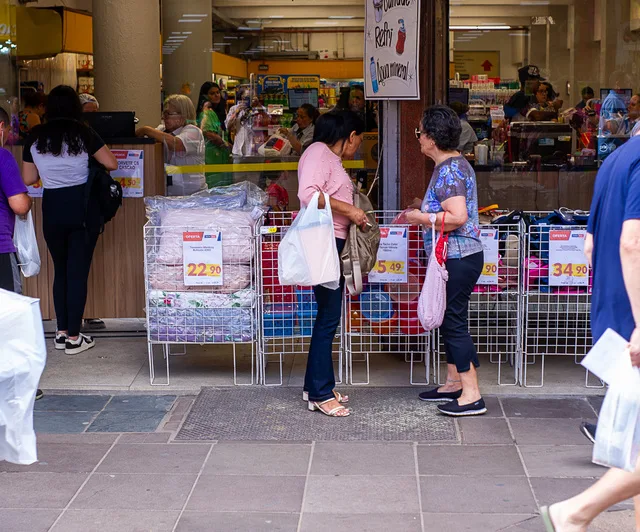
[392, 37]
[391, 266]
[568, 265]
[489, 239]
[202, 258]
[130, 172]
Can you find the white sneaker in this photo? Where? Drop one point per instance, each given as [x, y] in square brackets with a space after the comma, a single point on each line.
[60, 342]
[83, 343]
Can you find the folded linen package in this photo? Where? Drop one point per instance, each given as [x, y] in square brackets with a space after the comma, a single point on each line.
[162, 298]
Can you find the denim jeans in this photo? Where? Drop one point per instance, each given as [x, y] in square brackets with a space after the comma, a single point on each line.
[320, 379]
[458, 344]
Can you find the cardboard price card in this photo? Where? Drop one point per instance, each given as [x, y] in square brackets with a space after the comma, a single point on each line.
[130, 172]
[391, 266]
[489, 239]
[202, 258]
[568, 265]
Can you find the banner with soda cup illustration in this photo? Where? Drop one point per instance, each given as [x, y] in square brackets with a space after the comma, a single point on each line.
[392, 37]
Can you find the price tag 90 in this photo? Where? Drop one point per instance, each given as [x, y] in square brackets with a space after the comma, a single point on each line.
[203, 270]
[490, 269]
[570, 270]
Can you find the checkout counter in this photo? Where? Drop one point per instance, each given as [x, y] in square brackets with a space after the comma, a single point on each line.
[116, 281]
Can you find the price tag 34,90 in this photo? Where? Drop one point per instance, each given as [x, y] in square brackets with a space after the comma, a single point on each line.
[568, 265]
[202, 258]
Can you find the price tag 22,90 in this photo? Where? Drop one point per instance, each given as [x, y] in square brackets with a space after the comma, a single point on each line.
[202, 258]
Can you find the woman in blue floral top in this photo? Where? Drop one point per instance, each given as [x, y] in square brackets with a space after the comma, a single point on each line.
[452, 195]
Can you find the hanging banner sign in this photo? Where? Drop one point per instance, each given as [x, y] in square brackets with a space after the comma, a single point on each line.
[130, 172]
[392, 37]
[568, 265]
[391, 266]
[202, 258]
[489, 239]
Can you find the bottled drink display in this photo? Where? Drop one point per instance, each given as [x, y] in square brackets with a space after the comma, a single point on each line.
[402, 37]
[377, 6]
[374, 77]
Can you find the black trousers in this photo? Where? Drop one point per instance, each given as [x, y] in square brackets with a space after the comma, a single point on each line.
[10, 273]
[320, 379]
[71, 246]
[463, 276]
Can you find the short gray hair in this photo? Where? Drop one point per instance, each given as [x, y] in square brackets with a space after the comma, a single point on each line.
[183, 105]
[88, 98]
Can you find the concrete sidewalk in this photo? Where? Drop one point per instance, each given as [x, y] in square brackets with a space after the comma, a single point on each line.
[491, 477]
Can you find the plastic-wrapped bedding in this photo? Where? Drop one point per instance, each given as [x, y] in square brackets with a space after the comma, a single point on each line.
[236, 226]
[200, 325]
[163, 298]
[170, 277]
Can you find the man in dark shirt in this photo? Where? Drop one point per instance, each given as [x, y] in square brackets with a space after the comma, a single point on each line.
[587, 94]
[519, 103]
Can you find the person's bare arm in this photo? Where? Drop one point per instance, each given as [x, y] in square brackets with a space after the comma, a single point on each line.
[20, 204]
[630, 258]
[174, 143]
[357, 216]
[588, 248]
[455, 213]
[216, 139]
[29, 173]
[106, 158]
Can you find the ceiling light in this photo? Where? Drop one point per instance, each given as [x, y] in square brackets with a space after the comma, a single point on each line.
[281, 42]
[230, 37]
[247, 28]
[479, 27]
[175, 33]
[190, 20]
[342, 16]
[187, 32]
[195, 15]
[222, 44]
[253, 22]
[276, 16]
[325, 23]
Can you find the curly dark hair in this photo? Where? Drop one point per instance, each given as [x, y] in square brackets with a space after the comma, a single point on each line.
[441, 124]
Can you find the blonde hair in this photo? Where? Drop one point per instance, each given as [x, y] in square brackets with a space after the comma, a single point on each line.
[183, 105]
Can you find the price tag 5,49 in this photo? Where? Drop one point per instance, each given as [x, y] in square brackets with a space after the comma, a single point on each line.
[569, 270]
[203, 270]
[389, 266]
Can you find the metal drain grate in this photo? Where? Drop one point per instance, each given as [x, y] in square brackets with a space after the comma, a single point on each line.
[273, 414]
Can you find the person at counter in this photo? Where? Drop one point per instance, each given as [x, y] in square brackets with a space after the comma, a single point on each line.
[301, 135]
[587, 94]
[211, 116]
[518, 106]
[58, 152]
[633, 110]
[468, 137]
[89, 103]
[358, 105]
[35, 104]
[183, 144]
[542, 107]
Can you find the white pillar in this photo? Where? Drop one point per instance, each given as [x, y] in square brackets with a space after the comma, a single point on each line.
[126, 50]
[187, 34]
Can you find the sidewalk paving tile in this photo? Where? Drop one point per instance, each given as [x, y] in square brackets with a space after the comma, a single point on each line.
[145, 437]
[71, 403]
[62, 458]
[548, 432]
[245, 493]
[469, 460]
[485, 430]
[28, 520]
[238, 522]
[560, 461]
[550, 490]
[596, 402]
[464, 522]
[141, 403]
[127, 421]
[487, 494]
[62, 422]
[362, 495]
[116, 521]
[493, 407]
[363, 459]
[134, 492]
[258, 459]
[95, 438]
[530, 407]
[38, 490]
[150, 458]
[361, 523]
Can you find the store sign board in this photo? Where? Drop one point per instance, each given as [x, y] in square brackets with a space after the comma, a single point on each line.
[202, 258]
[472, 63]
[391, 264]
[274, 83]
[568, 265]
[489, 239]
[130, 172]
[392, 38]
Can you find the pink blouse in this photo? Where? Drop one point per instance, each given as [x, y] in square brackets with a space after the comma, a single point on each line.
[321, 170]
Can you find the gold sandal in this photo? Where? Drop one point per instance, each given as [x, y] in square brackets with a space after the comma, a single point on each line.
[313, 406]
[342, 399]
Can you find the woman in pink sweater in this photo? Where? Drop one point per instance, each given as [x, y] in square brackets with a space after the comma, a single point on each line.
[337, 136]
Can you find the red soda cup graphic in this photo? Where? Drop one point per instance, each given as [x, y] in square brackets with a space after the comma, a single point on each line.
[402, 37]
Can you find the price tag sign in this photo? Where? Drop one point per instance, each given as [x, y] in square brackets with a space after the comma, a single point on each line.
[489, 239]
[391, 266]
[202, 258]
[568, 265]
[130, 172]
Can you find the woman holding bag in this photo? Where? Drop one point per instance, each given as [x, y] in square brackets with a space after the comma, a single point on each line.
[452, 196]
[337, 136]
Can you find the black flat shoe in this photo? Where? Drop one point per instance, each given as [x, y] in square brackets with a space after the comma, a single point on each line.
[39, 394]
[434, 395]
[454, 409]
[589, 430]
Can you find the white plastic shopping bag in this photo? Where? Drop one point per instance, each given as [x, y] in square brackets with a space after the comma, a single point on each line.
[22, 358]
[432, 303]
[307, 255]
[24, 239]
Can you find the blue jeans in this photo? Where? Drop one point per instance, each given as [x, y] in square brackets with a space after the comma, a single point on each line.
[320, 379]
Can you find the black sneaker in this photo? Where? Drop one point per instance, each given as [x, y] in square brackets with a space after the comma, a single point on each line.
[94, 324]
[60, 342]
[39, 394]
[589, 430]
[454, 409]
[75, 347]
[435, 395]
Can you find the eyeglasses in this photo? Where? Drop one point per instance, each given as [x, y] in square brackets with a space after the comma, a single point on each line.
[418, 133]
[167, 113]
